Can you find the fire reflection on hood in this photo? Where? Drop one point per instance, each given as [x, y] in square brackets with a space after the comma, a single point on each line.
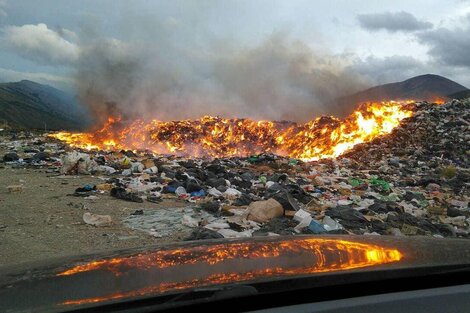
[233, 262]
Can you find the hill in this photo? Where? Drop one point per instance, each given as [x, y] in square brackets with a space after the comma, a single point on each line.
[421, 88]
[460, 95]
[27, 104]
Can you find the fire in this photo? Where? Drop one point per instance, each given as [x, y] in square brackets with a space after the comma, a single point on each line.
[317, 255]
[360, 255]
[439, 100]
[324, 137]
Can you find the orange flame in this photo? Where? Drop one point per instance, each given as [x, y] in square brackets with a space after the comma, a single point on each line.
[208, 136]
[438, 100]
[323, 255]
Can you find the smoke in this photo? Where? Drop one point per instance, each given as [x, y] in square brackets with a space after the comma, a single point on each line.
[160, 74]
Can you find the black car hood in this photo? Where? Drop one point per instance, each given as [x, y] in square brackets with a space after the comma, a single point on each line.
[87, 281]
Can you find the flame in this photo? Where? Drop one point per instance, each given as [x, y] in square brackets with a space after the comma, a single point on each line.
[323, 255]
[324, 137]
[438, 100]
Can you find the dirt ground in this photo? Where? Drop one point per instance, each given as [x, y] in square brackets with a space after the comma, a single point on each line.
[43, 222]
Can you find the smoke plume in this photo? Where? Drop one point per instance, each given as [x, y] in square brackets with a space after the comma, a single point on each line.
[168, 78]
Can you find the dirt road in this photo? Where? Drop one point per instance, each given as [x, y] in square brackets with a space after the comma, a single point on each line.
[43, 222]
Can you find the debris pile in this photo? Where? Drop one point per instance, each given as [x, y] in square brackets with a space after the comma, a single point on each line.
[209, 136]
[413, 181]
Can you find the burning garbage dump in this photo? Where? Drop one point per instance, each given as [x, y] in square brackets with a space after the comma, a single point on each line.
[209, 136]
[388, 169]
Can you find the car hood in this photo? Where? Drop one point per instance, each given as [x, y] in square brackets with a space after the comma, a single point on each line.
[109, 277]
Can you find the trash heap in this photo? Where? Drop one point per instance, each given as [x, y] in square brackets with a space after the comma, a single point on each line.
[414, 181]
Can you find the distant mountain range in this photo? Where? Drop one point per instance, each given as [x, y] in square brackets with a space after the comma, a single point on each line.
[427, 87]
[27, 104]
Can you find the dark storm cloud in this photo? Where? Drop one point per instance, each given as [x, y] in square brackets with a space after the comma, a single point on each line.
[449, 46]
[392, 22]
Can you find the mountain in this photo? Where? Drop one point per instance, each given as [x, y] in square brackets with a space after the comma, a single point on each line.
[27, 104]
[460, 95]
[424, 87]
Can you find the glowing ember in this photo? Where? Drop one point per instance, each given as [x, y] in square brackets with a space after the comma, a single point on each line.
[217, 137]
[319, 255]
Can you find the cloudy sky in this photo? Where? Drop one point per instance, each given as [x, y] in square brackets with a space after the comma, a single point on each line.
[243, 52]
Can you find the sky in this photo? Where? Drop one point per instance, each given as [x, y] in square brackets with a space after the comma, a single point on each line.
[229, 57]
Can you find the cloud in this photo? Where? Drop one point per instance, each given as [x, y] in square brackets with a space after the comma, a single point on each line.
[3, 4]
[41, 44]
[389, 69]
[449, 46]
[397, 68]
[392, 22]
